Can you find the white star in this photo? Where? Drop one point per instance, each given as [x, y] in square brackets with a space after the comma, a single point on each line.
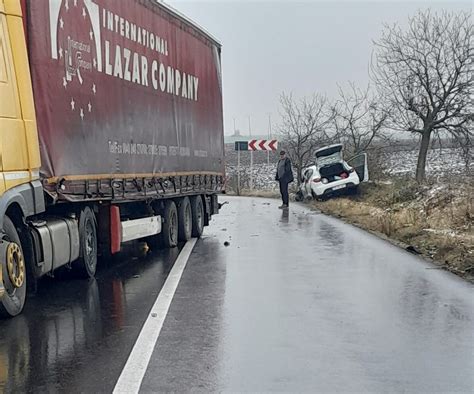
[60, 52]
[67, 5]
[93, 88]
[82, 114]
[91, 35]
[89, 106]
[95, 63]
[61, 23]
[84, 12]
[64, 82]
[73, 104]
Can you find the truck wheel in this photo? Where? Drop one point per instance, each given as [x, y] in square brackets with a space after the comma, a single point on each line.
[197, 210]
[13, 273]
[170, 225]
[86, 264]
[185, 223]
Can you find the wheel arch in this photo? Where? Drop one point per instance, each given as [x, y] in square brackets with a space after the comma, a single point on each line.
[16, 213]
[23, 201]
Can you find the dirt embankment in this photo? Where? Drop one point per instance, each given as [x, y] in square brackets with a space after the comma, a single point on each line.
[435, 221]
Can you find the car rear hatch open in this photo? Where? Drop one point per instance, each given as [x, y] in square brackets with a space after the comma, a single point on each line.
[329, 154]
[330, 162]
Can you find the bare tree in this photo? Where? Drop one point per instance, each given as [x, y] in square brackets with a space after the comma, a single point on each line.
[359, 118]
[303, 127]
[426, 75]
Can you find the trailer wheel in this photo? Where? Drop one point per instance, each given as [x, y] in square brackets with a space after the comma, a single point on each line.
[170, 225]
[86, 264]
[13, 273]
[197, 209]
[185, 219]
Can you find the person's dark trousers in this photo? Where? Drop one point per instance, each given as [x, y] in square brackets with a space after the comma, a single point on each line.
[284, 192]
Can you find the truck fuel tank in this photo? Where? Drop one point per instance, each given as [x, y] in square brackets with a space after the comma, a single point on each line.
[56, 243]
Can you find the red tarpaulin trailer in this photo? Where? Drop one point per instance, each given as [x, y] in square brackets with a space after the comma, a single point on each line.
[123, 90]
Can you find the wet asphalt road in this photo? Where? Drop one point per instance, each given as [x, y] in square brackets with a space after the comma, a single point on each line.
[297, 302]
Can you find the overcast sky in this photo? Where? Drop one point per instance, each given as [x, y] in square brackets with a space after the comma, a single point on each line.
[271, 47]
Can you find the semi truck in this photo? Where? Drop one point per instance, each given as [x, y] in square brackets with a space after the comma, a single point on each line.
[111, 130]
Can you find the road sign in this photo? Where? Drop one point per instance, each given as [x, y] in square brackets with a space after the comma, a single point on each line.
[253, 145]
[241, 145]
[266, 145]
[263, 145]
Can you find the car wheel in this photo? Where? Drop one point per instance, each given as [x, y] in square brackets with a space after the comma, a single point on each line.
[299, 196]
[352, 191]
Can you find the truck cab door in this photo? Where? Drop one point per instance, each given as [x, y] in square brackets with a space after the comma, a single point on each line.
[13, 142]
[359, 163]
[8, 91]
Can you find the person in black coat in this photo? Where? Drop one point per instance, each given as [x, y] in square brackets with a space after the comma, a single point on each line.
[284, 175]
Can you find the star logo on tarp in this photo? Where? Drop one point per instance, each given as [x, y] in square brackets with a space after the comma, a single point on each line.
[77, 51]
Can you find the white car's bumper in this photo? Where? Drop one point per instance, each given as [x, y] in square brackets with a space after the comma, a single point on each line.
[321, 189]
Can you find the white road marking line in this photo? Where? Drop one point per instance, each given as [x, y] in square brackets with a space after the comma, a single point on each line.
[134, 370]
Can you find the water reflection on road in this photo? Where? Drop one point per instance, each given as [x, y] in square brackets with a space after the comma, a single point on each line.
[72, 323]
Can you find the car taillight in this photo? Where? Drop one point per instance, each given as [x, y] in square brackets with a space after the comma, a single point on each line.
[317, 180]
[344, 175]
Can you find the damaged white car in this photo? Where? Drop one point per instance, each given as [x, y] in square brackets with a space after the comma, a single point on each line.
[331, 174]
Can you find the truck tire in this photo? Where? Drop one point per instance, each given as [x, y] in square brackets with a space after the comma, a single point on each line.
[197, 209]
[13, 300]
[185, 219]
[169, 230]
[86, 265]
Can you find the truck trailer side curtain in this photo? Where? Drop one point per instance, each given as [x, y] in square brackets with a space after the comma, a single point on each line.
[124, 64]
[126, 84]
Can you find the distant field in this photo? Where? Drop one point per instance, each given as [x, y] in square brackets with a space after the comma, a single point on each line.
[441, 163]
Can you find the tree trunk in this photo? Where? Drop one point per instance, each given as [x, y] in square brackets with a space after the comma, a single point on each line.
[298, 166]
[421, 165]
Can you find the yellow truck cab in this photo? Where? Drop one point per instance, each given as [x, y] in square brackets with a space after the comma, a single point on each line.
[21, 193]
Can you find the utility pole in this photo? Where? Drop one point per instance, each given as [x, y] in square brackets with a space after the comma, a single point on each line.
[238, 166]
[238, 171]
[251, 158]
